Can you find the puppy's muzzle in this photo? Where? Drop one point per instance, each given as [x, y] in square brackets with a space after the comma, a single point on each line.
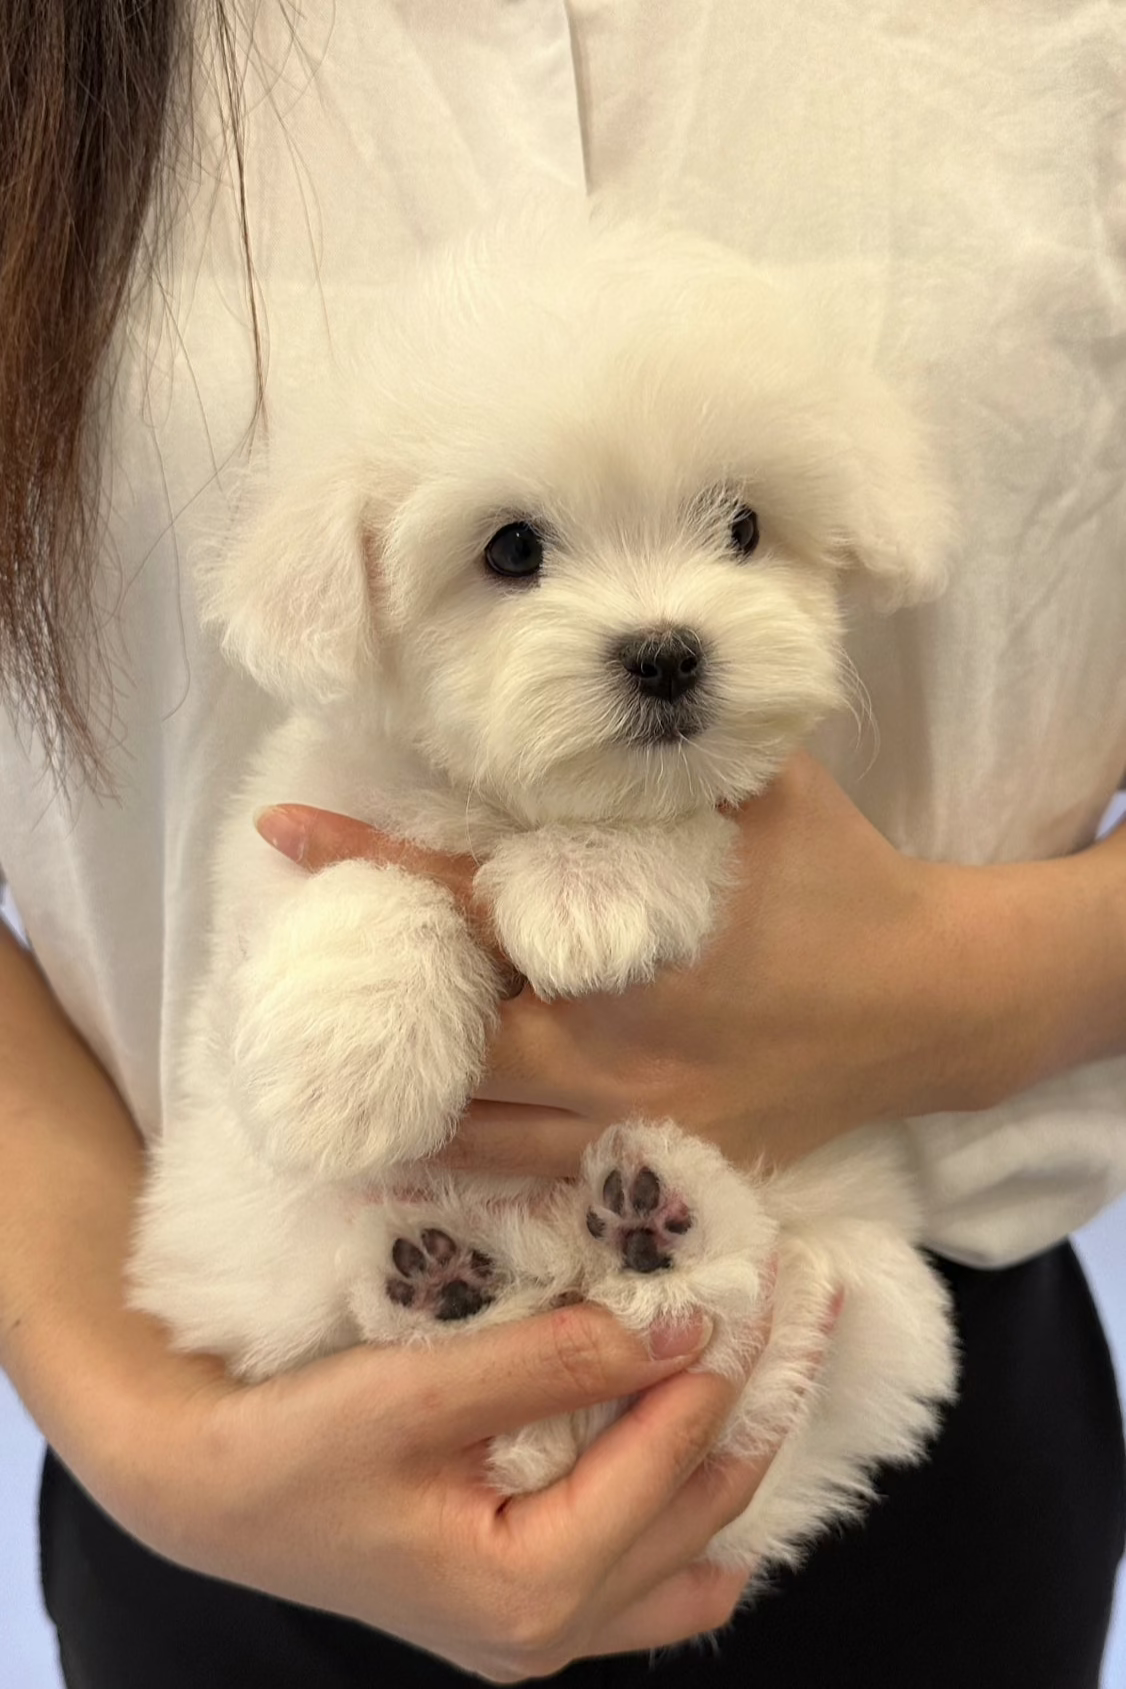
[663, 672]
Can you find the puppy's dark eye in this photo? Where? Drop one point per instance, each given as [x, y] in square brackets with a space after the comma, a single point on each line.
[744, 531]
[515, 551]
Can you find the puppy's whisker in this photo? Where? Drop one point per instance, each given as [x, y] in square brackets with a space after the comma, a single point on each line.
[858, 703]
[472, 791]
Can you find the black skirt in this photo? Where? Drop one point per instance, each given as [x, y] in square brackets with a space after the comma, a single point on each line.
[992, 1567]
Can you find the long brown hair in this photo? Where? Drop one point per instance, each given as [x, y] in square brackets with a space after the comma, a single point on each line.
[95, 103]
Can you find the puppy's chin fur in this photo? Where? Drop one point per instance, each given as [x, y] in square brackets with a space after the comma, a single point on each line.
[628, 396]
[548, 761]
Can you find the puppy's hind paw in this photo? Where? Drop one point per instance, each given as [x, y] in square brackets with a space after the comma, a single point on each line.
[639, 1219]
[668, 1227]
[435, 1276]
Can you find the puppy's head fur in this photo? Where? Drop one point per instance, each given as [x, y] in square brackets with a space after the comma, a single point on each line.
[575, 524]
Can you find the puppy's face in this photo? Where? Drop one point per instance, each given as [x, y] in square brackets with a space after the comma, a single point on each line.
[581, 538]
[598, 616]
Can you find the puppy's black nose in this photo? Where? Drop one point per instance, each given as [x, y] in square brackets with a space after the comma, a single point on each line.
[663, 665]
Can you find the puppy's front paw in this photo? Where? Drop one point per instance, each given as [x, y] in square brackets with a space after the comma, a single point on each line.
[362, 1023]
[579, 910]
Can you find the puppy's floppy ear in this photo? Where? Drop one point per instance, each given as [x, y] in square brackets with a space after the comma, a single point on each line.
[292, 595]
[899, 530]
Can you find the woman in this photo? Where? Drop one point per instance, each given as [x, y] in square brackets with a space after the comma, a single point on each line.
[953, 174]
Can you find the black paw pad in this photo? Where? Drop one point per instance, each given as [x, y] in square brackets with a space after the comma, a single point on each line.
[645, 1192]
[460, 1301]
[440, 1246]
[439, 1277]
[640, 1218]
[408, 1258]
[614, 1193]
[400, 1292]
[642, 1253]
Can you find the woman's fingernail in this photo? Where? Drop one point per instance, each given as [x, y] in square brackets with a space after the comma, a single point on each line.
[669, 1338]
[282, 830]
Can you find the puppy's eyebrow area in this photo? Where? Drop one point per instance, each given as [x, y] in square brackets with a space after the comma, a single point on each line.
[718, 502]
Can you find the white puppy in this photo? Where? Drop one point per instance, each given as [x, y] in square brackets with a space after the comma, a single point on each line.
[554, 576]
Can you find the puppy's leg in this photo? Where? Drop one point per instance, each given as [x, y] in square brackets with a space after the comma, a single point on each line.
[663, 1227]
[361, 1013]
[582, 909]
[888, 1370]
[670, 1227]
[237, 1258]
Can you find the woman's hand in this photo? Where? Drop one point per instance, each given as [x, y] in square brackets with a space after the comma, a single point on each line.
[357, 1485]
[846, 983]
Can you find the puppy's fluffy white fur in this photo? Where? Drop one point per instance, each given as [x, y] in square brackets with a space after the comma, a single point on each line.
[629, 394]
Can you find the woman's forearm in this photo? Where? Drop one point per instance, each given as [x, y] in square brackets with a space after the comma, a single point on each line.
[71, 1168]
[1029, 971]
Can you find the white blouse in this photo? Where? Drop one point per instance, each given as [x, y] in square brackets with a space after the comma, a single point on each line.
[959, 169]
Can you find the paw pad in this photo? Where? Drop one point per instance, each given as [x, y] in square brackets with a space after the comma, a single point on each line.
[639, 1218]
[440, 1277]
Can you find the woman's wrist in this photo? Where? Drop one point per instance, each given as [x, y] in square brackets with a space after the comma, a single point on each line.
[1027, 971]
